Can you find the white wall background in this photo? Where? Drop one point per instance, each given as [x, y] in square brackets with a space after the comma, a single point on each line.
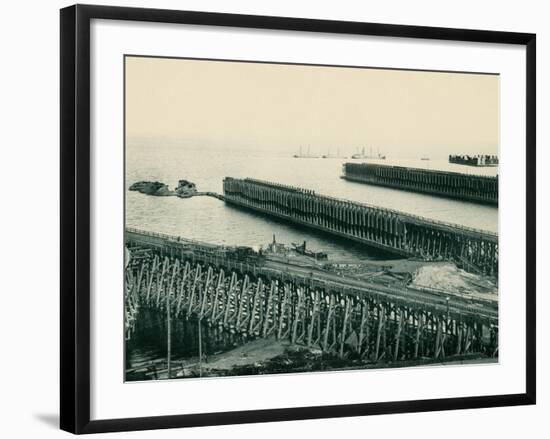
[29, 200]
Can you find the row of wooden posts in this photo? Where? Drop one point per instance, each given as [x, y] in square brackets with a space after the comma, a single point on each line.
[393, 231]
[478, 188]
[375, 328]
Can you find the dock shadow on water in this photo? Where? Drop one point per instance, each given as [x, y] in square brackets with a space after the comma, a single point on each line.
[223, 352]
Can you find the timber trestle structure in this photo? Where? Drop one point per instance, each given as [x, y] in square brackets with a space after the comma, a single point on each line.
[477, 188]
[255, 302]
[389, 230]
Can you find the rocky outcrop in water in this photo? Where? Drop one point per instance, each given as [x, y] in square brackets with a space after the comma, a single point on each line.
[185, 189]
[152, 188]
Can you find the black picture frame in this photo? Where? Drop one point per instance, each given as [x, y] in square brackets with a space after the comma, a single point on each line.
[75, 217]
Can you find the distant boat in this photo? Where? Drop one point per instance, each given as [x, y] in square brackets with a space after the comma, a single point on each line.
[337, 156]
[362, 155]
[305, 156]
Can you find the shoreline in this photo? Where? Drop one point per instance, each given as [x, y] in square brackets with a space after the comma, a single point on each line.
[270, 356]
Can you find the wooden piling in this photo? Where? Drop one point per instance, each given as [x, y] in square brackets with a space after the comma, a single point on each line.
[316, 314]
[476, 188]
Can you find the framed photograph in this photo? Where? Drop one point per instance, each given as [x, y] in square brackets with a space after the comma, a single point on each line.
[268, 218]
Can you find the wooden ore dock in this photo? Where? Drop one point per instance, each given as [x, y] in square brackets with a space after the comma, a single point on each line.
[476, 188]
[389, 230]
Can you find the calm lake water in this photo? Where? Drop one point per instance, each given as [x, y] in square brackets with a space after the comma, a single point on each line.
[208, 219]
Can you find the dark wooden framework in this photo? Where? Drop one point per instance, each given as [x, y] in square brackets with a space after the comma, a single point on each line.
[75, 217]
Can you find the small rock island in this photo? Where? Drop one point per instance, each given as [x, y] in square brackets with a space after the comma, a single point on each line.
[185, 189]
[152, 188]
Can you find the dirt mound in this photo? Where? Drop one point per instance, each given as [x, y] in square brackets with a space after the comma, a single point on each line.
[446, 276]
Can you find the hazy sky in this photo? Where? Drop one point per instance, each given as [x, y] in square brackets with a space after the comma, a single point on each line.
[252, 105]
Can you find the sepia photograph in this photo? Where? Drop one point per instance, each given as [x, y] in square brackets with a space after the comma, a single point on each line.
[300, 218]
